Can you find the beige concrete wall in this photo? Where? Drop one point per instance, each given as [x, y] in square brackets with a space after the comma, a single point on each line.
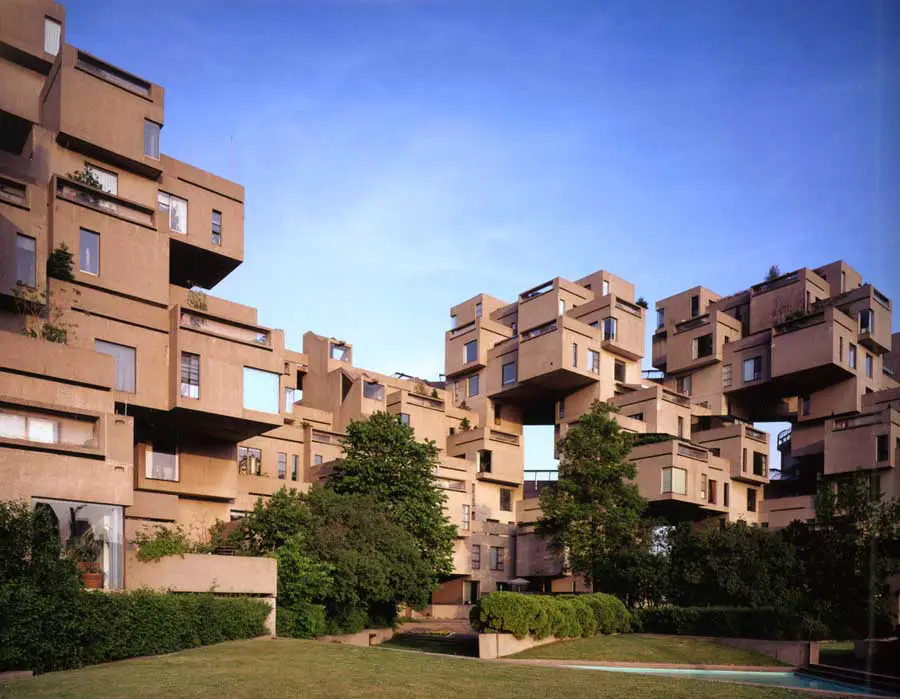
[497, 645]
[780, 512]
[195, 572]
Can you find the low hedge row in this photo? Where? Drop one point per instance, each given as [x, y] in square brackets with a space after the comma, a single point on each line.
[42, 633]
[540, 616]
[737, 622]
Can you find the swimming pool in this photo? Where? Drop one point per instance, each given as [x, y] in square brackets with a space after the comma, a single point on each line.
[772, 679]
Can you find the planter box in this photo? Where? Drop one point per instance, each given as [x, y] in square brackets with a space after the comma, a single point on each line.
[366, 637]
[498, 645]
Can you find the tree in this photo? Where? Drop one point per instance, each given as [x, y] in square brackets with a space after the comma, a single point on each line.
[642, 302]
[848, 554]
[383, 459]
[593, 514]
[773, 273]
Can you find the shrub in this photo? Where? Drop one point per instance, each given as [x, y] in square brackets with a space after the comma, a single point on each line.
[161, 543]
[739, 622]
[543, 615]
[301, 621]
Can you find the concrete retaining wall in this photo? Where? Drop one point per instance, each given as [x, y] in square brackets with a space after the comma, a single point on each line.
[366, 637]
[796, 653]
[498, 645]
[443, 611]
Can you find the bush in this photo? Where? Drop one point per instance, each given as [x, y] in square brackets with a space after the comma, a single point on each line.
[301, 621]
[543, 615]
[54, 633]
[737, 622]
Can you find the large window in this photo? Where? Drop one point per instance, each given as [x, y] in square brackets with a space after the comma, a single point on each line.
[752, 369]
[851, 355]
[505, 500]
[90, 531]
[151, 139]
[760, 464]
[47, 428]
[509, 373]
[52, 36]
[866, 321]
[609, 328]
[25, 256]
[260, 390]
[476, 556]
[89, 252]
[373, 390]
[702, 346]
[619, 371]
[216, 227]
[660, 317]
[498, 554]
[161, 461]
[176, 209]
[109, 181]
[751, 499]
[282, 466]
[125, 363]
[470, 351]
[484, 460]
[250, 461]
[190, 375]
[674, 480]
[473, 385]
[594, 361]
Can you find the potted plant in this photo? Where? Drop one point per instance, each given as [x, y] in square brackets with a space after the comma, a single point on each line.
[84, 550]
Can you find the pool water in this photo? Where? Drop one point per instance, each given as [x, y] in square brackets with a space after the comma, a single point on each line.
[772, 679]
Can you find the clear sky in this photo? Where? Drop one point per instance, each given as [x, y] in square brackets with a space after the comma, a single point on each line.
[400, 156]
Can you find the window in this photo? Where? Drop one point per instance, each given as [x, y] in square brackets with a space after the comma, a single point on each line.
[843, 281]
[452, 322]
[484, 460]
[52, 35]
[470, 351]
[25, 256]
[113, 75]
[866, 321]
[339, 351]
[476, 556]
[660, 317]
[282, 466]
[151, 139]
[34, 428]
[109, 181]
[695, 306]
[674, 480]
[702, 346]
[176, 209]
[216, 227]
[250, 461]
[594, 323]
[295, 467]
[466, 509]
[619, 371]
[498, 553]
[881, 448]
[680, 427]
[317, 460]
[744, 461]
[726, 494]
[726, 375]
[260, 390]
[373, 390]
[760, 464]
[497, 413]
[574, 354]
[851, 355]
[125, 363]
[509, 373]
[704, 480]
[594, 361]
[505, 500]
[752, 369]
[609, 328]
[715, 451]
[290, 397]
[637, 416]
[712, 495]
[805, 406]
[404, 419]
[604, 287]
[190, 375]
[562, 307]
[161, 461]
[89, 252]
[840, 349]
[868, 365]
[684, 384]
[562, 409]
[751, 499]
[478, 310]
[473, 385]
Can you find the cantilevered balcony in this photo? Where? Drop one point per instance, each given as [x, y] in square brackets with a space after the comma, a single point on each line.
[870, 441]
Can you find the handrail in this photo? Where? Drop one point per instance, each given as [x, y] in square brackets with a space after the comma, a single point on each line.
[536, 291]
[462, 329]
[504, 437]
[628, 307]
[539, 330]
[755, 435]
[78, 193]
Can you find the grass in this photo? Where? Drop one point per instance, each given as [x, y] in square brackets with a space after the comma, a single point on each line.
[292, 668]
[639, 648]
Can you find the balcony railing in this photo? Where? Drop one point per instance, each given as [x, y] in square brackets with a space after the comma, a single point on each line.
[776, 283]
[13, 192]
[692, 452]
[451, 485]
[106, 203]
[425, 402]
[853, 422]
[505, 437]
[881, 298]
[631, 308]
[692, 323]
[676, 399]
[226, 330]
[539, 330]
[755, 435]
[113, 75]
[326, 437]
[536, 291]
[462, 329]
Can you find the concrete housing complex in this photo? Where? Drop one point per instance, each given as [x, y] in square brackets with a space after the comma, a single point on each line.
[166, 405]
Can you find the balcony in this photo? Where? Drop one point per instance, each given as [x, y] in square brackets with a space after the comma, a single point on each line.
[466, 347]
[869, 441]
[497, 455]
[208, 472]
[746, 450]
[248, 335]
[105, 203]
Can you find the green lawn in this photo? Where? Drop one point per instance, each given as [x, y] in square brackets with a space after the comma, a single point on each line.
[290, 668]
[639, 648]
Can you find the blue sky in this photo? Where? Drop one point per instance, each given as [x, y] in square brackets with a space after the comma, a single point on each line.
[400, 156]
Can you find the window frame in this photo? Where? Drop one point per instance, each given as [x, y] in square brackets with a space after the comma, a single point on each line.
[52, 38]
[282, 466]
[475, 556]
[610, 329]
[619, 364]
[851, 355]
[188, 373]
[244, 454]
[594, 361]
[752, 500]
[754, 374]
[295, 467]
[473, 344]
[506, 500]
[496, 559]
[169, 209]
[503, 377]
[31, 283]
[216, 228]
[155, 137]
[670, 471]
[81, 250]
[474, 380]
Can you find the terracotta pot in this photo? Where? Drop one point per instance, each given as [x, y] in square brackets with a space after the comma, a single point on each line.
[92, 581]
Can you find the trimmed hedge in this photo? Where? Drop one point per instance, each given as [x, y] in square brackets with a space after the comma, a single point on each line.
[540, 616]
[44, 633]
[736, 622]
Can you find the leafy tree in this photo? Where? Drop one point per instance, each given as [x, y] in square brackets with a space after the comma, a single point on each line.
[732, 565]
[642, 302]
[382, 459]
[60, 263]
[773, 273]
[592, 516]
[848, 554]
